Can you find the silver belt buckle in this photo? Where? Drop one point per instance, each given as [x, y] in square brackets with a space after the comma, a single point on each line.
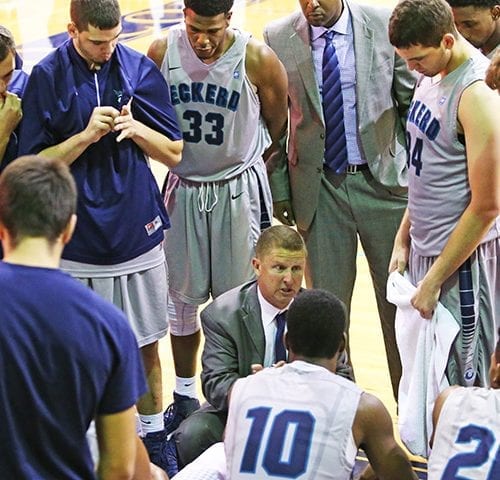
[351, 169]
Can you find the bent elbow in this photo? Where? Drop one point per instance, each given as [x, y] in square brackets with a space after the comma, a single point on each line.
[488, 212]
[176, 153]
[123, 471]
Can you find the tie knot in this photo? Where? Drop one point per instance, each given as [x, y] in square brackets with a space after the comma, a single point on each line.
[280, 318]
[329, 35]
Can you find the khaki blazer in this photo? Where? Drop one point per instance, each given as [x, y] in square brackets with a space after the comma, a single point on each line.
[381, 110]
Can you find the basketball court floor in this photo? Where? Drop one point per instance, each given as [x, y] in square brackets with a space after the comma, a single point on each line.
[39, 25]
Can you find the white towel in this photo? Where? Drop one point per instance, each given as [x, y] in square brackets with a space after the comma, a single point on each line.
[424, 347]
[210, 465]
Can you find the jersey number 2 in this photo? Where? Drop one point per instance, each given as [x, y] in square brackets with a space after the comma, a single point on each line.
[273, 463]
[486, 441]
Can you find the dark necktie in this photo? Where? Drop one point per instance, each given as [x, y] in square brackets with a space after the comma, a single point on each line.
[333, 109]
[279, 346]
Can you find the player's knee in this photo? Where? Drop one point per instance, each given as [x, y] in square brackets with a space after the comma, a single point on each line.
[195, 434]
[183, 317]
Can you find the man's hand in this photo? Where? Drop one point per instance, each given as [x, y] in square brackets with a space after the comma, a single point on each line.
[125, 123]
[102, 121]
[426, 298]
[256, 367]
[284, 213]
[399, 258]
[10, 113]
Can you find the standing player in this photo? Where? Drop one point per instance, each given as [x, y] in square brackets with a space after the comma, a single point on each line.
[12, 83]
[479, 22]
[229, 92]
[467, 430]
[449, 236]
[302, 420]
[103, 108]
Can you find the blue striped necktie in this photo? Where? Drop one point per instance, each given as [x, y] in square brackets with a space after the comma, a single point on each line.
[279, 346]
[333, 109]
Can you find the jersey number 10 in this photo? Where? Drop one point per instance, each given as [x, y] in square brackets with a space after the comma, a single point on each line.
[295, 463]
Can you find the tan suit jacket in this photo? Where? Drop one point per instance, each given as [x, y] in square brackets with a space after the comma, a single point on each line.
[381, 111]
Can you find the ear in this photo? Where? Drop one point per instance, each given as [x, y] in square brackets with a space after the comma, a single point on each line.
[228, 16]
[448, 41]
[5, 238]
[495, 375]
[69, 229]
[72, 30]
[343, 343]
[286, 341]
[495, 12]
[256, 266]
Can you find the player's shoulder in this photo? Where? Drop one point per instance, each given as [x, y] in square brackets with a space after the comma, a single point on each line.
[371, 413]
[479, 101]
[257, 50]
[260, 59]
[157, 50]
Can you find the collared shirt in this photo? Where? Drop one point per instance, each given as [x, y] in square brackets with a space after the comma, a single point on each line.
[343, 41]
[268, 312]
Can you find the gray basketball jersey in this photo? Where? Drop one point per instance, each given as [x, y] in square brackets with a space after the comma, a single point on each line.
[217, 108]
[467, 436]
[439, 190]
[291, 422]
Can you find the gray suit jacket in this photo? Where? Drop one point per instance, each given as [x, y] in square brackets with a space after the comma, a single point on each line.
[384, 87]
[234, 340]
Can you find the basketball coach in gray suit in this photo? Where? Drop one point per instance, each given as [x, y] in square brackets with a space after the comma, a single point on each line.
[241, 333]
[368, 198]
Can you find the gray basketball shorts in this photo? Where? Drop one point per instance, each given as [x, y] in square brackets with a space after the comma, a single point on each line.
[472, 296]
[141, 293]
[214, 229]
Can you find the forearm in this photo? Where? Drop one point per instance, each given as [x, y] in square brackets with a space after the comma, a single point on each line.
[396, 466]
[111, 469]
[465, 238]
[4, 141]
[116, 438]
[279, 180]
[158, 146]
[107, 473]
[401, 247]
[403, 234]
[216, 387]
[69, 150]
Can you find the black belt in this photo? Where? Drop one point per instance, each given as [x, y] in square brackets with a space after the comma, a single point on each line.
[350, 169]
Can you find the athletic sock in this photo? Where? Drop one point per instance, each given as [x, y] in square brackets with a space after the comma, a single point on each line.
[186, 386]
[152, 423]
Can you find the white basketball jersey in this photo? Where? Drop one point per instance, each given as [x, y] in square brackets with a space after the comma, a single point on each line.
[467, 436]
[291, 422]
[218, 110]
